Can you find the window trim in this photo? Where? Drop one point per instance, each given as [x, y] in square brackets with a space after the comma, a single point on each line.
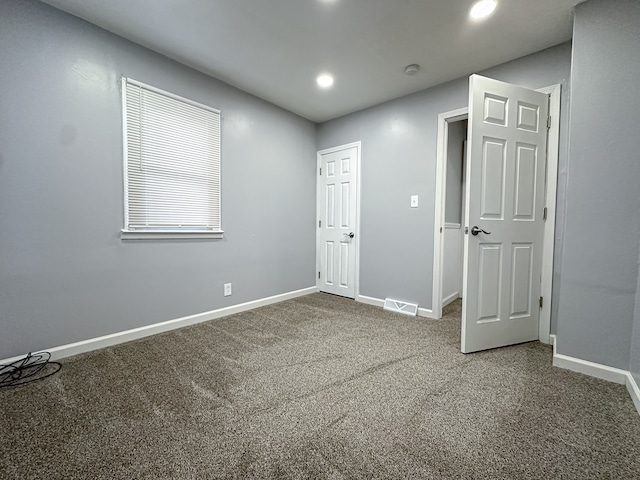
[169, 234]
[160, 234]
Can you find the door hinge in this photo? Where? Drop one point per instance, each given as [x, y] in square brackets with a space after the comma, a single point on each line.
[548, 122]
[541, 302]
[544, 213]
[319, 223]
[320, 171]
[318, 274]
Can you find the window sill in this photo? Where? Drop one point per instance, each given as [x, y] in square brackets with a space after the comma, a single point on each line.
[168, 234]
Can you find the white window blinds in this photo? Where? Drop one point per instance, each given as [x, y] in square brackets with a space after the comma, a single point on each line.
[172, 162]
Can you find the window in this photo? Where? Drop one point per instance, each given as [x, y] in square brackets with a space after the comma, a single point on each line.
[171, 165]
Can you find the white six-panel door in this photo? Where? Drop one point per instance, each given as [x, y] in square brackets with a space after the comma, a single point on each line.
[337, 221]
[505, 176]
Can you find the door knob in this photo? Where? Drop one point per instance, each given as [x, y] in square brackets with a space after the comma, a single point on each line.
[475, 231]
[350, 235]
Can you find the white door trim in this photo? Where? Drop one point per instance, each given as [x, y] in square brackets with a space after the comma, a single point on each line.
[553, 139]
[548, 241]
[358, 146]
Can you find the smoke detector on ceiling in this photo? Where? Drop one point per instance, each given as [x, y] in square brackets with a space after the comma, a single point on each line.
[412, 69]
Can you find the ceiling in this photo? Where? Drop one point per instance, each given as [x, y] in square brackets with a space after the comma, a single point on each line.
[275, 49]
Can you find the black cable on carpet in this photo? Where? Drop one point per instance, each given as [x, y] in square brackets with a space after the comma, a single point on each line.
[33, 367]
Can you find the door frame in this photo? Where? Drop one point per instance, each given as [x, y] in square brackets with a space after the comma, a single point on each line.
[551, 185]
[358, 146]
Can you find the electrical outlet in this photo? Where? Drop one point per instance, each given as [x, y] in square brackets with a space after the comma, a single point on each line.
[227, 289]
[414, 201]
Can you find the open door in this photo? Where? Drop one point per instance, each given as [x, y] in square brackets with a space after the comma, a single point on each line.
[505, 225]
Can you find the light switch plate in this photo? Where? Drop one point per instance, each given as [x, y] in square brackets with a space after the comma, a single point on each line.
[414, 201]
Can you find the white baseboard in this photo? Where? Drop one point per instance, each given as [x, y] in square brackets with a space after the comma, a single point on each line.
[134, 334]
[446, 301]
[597, 370]
[634, 391]
[426, 312]
[377, 302]
[592, 369]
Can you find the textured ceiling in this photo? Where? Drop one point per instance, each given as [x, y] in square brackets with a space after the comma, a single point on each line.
[274, 49]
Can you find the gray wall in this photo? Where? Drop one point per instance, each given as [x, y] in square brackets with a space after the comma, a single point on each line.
[457, 134]
[399, 159]
[600, 255]
[65, 274]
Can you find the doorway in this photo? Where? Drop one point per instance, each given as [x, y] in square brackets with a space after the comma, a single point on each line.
[447, 119]
[452, 253]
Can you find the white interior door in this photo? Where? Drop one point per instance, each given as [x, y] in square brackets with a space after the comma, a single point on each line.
[505, 202]
[337, 204]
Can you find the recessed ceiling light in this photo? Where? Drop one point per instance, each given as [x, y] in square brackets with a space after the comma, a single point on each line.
[483, 9]
[325, 80]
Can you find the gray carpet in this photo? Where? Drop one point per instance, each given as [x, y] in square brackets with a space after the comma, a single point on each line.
[317, 387]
